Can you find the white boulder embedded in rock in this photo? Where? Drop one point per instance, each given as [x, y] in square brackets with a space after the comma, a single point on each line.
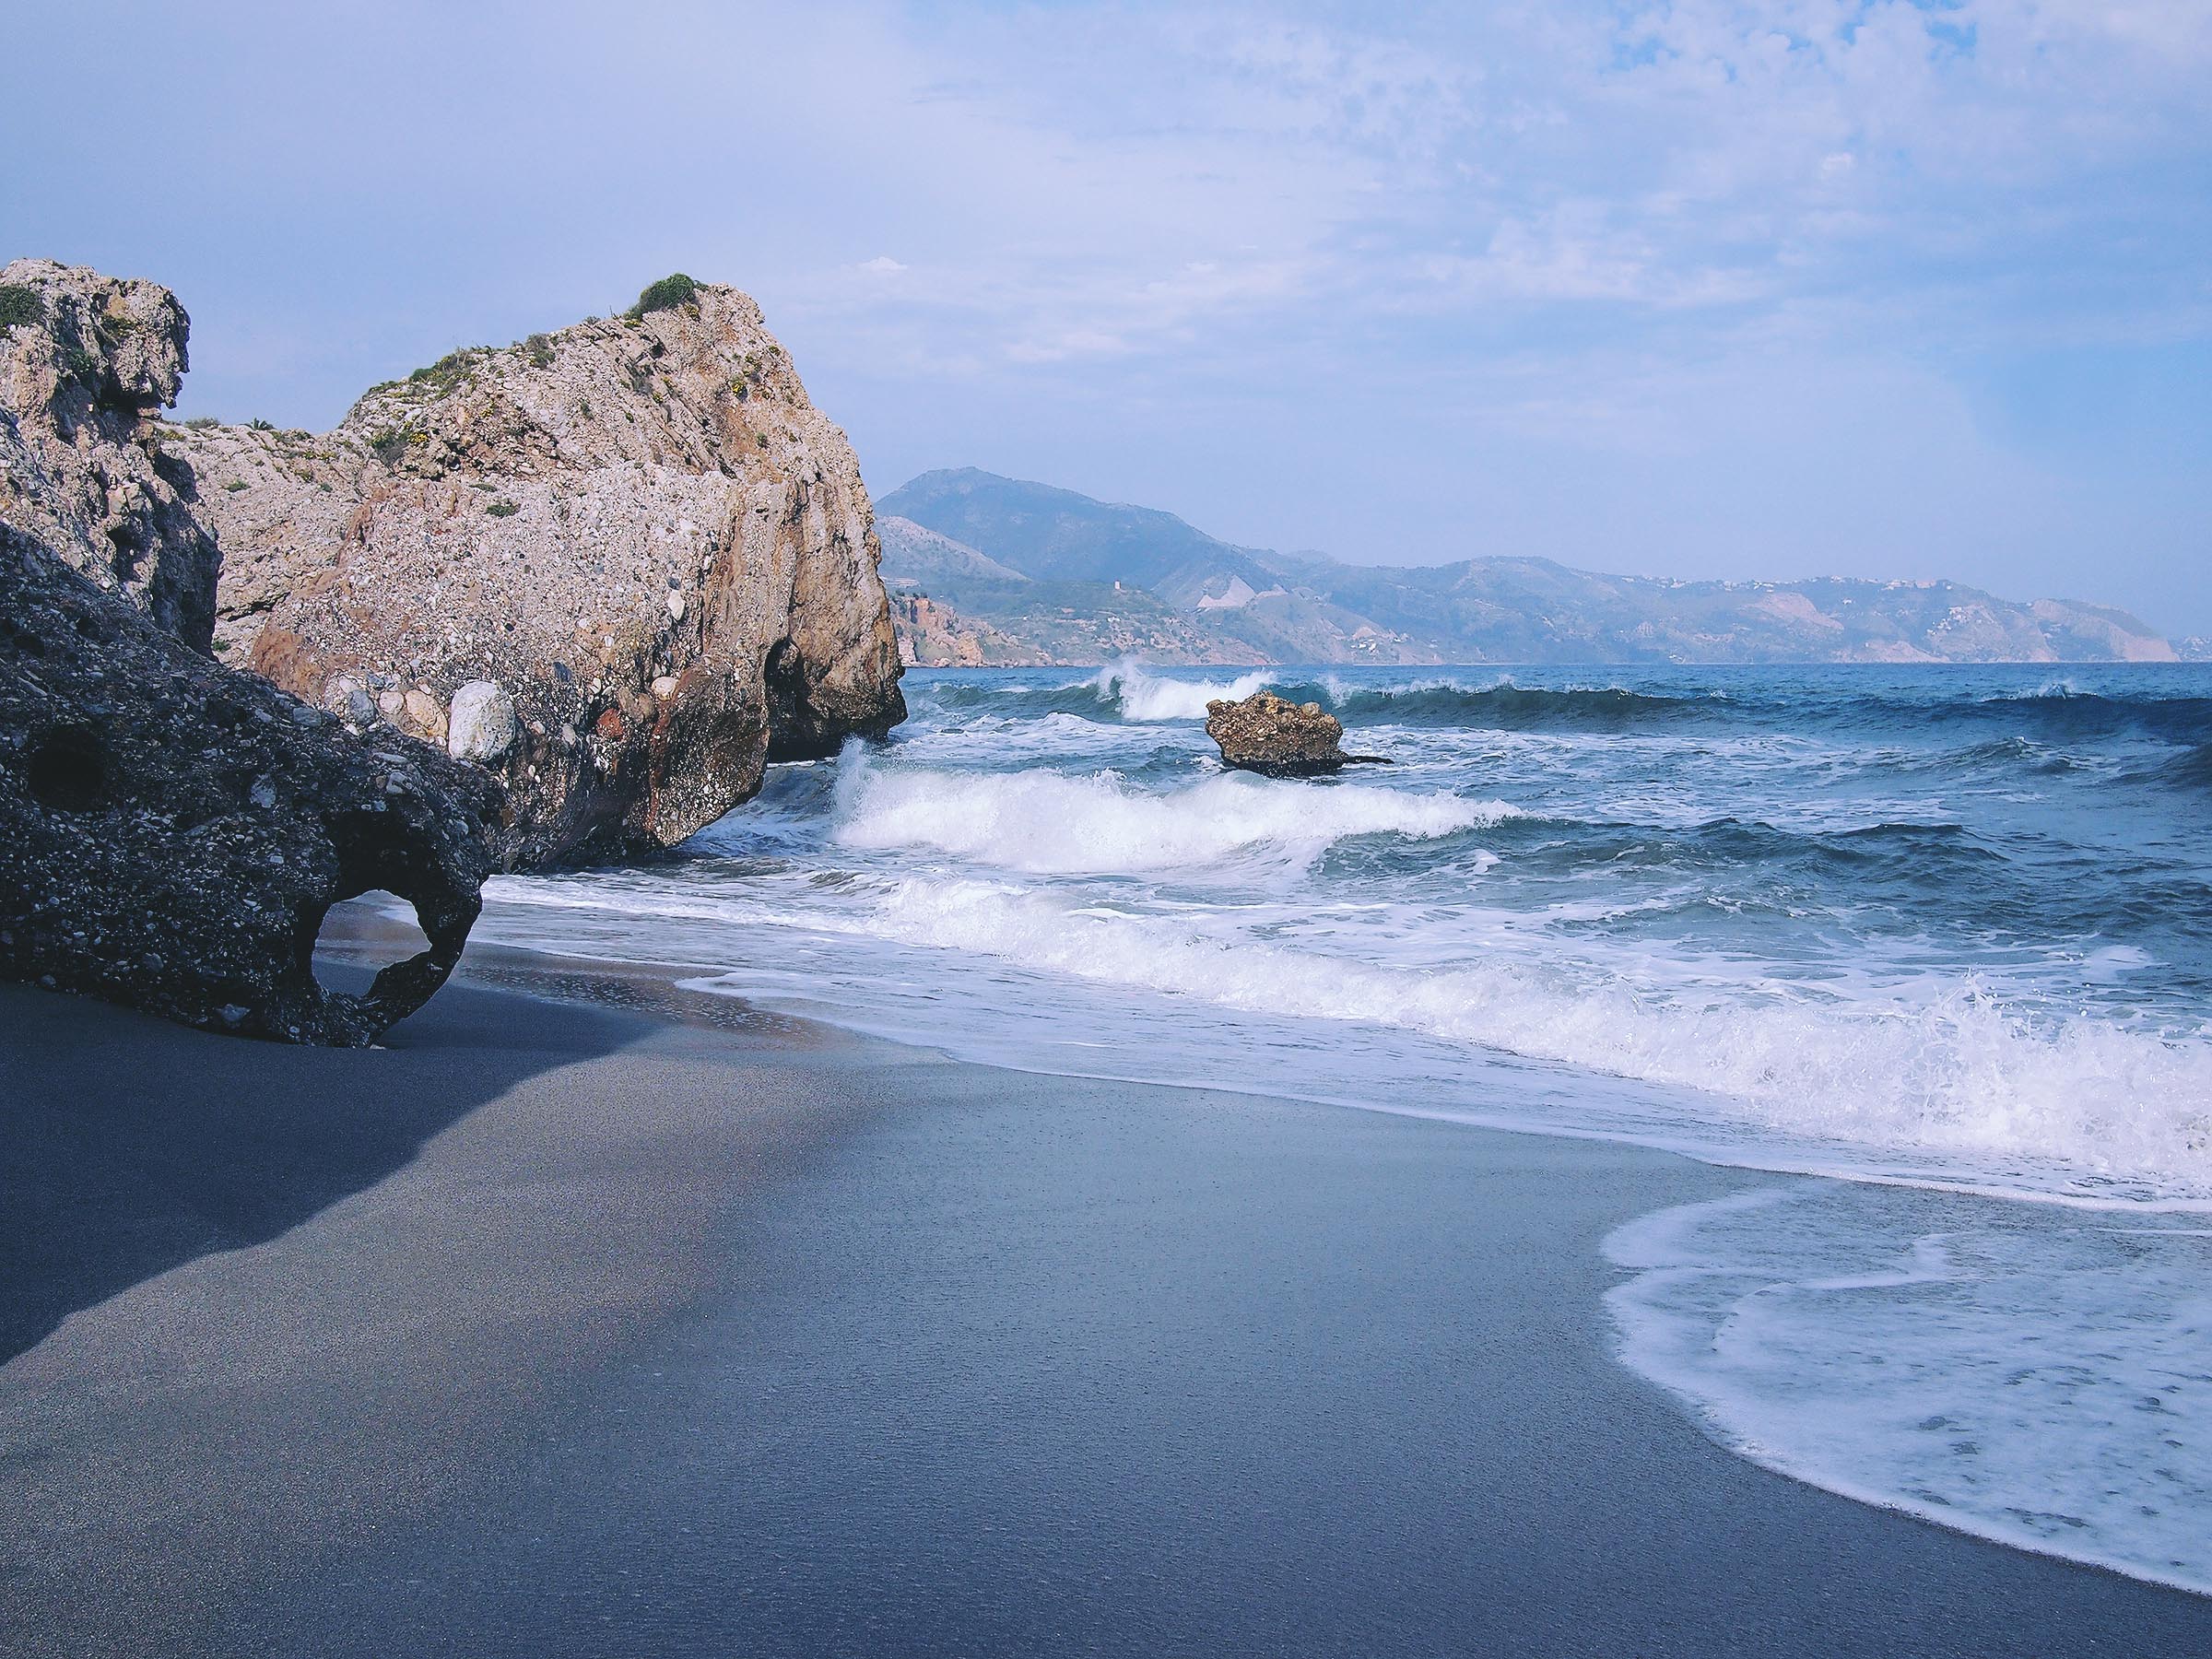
[481, 725]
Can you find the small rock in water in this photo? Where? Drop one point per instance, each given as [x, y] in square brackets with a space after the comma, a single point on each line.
[1279, 738]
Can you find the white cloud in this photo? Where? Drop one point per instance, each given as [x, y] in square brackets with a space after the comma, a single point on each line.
[1108, 212]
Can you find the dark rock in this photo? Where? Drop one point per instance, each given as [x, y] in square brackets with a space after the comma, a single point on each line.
[172, 833]
[1279, 738]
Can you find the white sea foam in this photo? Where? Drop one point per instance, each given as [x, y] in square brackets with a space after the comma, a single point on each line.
[1954, 1079]
[1044, 823]
[1144, 696]
[2036, 1376]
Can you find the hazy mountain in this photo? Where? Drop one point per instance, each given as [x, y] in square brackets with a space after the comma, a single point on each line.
[1214, 601]
[911, 553]
[1056, 535]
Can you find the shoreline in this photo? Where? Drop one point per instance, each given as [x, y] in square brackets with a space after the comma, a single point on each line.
[624, 1241]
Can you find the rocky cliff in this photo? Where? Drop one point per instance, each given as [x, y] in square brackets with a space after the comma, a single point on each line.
[84, 362]
[620, 567]
[935, 636]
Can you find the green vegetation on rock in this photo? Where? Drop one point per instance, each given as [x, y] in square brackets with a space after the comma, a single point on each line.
[19, 305]
[447, 372]
[665, 295]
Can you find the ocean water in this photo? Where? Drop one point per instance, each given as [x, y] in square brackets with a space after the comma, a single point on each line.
[1940, 937]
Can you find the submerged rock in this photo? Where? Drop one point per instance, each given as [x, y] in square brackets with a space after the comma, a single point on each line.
[172, 833]
[85, 361]
[1275, 737]
[639, 533]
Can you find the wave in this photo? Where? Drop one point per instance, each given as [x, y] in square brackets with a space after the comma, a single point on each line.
[1123, 691]
[2067, 1102]
[2192, 769]
[1131, 692]
[2012, 1376]
[1136, 694]
[1509, 706]
[2061, 710]
[1048, 823]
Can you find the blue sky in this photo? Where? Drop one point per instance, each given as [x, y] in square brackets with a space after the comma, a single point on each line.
[1705, 289]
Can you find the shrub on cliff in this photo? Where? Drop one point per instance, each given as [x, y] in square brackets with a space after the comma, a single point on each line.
[665, 295]
[19, 305]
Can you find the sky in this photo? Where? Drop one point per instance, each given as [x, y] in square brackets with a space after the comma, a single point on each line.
[1701, 289]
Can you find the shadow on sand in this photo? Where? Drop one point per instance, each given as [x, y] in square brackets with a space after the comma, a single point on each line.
[129, 1146]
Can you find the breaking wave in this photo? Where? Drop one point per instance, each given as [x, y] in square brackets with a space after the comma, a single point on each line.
[1046, 823]
[2067, 1103]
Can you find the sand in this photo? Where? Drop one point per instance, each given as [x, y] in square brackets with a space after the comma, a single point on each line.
[611, 1320]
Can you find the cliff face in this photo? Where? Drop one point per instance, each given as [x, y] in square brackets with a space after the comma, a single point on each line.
[935, 636]
[621, 567]
[85, 360]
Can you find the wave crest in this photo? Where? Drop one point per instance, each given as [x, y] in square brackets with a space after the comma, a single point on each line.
[1136, 694]
[2078, 1104]
[1046, 823]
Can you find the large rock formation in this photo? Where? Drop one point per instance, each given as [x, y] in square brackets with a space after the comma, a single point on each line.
[172, 833]
[84, 361]
[621, 567]
[1275, 737]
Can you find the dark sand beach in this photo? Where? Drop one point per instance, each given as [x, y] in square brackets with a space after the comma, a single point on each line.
[611, 1320]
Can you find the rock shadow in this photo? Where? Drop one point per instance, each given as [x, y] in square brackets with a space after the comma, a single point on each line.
[130, 1146]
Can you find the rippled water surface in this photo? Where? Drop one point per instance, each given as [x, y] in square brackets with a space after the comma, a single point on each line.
[1950, 927]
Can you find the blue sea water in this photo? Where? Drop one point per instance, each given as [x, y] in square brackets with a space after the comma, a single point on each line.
[1942, 936]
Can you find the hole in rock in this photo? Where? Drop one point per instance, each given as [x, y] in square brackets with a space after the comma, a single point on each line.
[362, 937]
[125, 550]
[67, 769]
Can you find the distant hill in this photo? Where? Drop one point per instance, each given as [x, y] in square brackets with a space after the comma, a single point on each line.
[1059, 577]
[921, 554]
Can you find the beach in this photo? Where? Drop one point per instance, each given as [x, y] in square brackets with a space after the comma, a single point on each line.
[589, 1316]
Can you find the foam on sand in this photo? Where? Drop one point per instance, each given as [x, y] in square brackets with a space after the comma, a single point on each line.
[2033, 1375]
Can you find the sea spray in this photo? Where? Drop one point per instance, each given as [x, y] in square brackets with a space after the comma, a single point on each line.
[1137, 695]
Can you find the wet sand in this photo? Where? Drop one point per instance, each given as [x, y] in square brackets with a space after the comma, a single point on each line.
[637, 1323]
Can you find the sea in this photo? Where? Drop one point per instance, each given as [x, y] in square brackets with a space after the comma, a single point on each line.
[1930, 949]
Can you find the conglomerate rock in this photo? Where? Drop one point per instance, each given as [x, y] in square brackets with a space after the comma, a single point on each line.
[634, 549]
[85, 359]
[172, 833]
[1273, 735]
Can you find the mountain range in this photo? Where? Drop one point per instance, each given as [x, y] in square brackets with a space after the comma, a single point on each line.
[988, 570]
